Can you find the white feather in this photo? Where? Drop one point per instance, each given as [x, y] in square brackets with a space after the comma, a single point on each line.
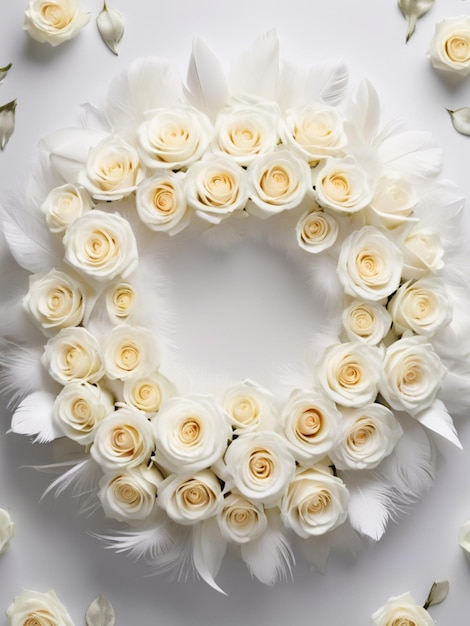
[82, 479]
[208, 551]
[437, 419]
[22, 372]
[325, 282]
[364, 110]
[315, 550]
[93, 118]
[440, 208]
[326, 82]
[455, 390]
[34, 417]
[412, 153]
[369, 503]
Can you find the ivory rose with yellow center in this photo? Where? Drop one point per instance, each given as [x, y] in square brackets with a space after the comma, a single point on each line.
[249, 407]
[366, 321]
[450, 46]
[161, 203]
[54, 21]
[316, 231]
[64, 204]
[120, 300]
[73, 355]
[402, 611]
[422, 253]
[32, 608]
[342, 185]
[393, 203]
[130, 351]
[147, 393]
[240, 520]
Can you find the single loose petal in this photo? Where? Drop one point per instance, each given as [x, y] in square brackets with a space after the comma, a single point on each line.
[460, 120]
[4, 71]
[100, 613]
[111, 27]
[437, 593]
[7, 122]
[413, 10]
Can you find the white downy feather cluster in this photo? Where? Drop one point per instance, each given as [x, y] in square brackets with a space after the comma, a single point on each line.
[87, 350]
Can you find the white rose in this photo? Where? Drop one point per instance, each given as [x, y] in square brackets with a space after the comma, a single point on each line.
[248, 407]
[32, 608]
[129, 351]
[120, 301]
[412, 375]
[464, 537]
[54, 301]
[174, 138]
[422, 306]
[244, 130]
[260, 466]
[240, 520]
[191, 498]
[191, 434]
[316, 231]
[55, 21]
[112, 170]
[402, 611]
[277, 181]
[6, 530]
[79, 408]
[131, 494]
[101, 245]
[450, 46]
[216, 187]
[341, 185]
[366, 436]
[349, 373]
[366, 321]
[73, 355]
[64, 205]
[369, 265]
[147, 393]
[393, 203]
[161, 203]
[124, 439]
[315, 132]
[310, 423]
[315, 503]
[422, 253]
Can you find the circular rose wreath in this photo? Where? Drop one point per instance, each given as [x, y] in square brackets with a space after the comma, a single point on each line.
[347, 444]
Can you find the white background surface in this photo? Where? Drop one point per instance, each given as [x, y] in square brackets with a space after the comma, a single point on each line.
[51, 548]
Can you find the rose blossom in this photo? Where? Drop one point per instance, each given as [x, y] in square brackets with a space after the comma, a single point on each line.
[240, 520]
[450, 46]
[64, 205]
[120, 300]
[147, 393]
[73, 355]
[316, 231]
[79, 408]
[260, 466]
[54, 301]
[248, 407]
[191, 434]
[366, 321]
[369, 264]
[349, 373]
[55, 21]
[315, 503]
[112, 170]
[6, 530]
[101, 245]
[161, 203]
[402, 611]
[129, 351]
[277, 181]
[131, 494]
[464, 536]
[366, 436]
[124, 439]
[341, 185]
[32, 608]
[412, 375]
[310, 423]
[393, 203]
[190, 498]
[422, 253]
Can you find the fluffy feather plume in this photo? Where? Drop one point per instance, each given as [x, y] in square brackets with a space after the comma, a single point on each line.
[364, 109]
[413, 153]
[21, 373]
[369, 503]
[34, 417]
[437, 419]
[455, 390]
[327, 83]
[208, 551]
[82, 479]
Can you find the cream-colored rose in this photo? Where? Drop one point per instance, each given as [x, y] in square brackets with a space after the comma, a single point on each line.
[191, 498]
[64, 205]
[450, 46]
[240, 520]
[277, 181]
[79, 408]
[369, 265]
[393, 203]
[316, 231]
[32, 608]
[54, 301]
[120, 302]
[161, 203]
[124, 439]
[464, 537]
[402, 611]
[249, 407]
[216, 187]
[130, 351]
[54, 21]
[316, 502]
[260, 466]
[245, 130]
[412, 375]
[342, 185]
[310, 423]
[366, 436]
[349, 373]
[422, 306]
[101, 245]
[73, 355]
[174, 138]
[314, 132]
[366, 321]
[131, 494]
[422, 253]
[112, 170]
[191, 434]
[7, 529]
[147, 393]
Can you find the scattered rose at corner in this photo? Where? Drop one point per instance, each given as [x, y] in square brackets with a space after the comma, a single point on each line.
[449, 49]
[54, 23]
